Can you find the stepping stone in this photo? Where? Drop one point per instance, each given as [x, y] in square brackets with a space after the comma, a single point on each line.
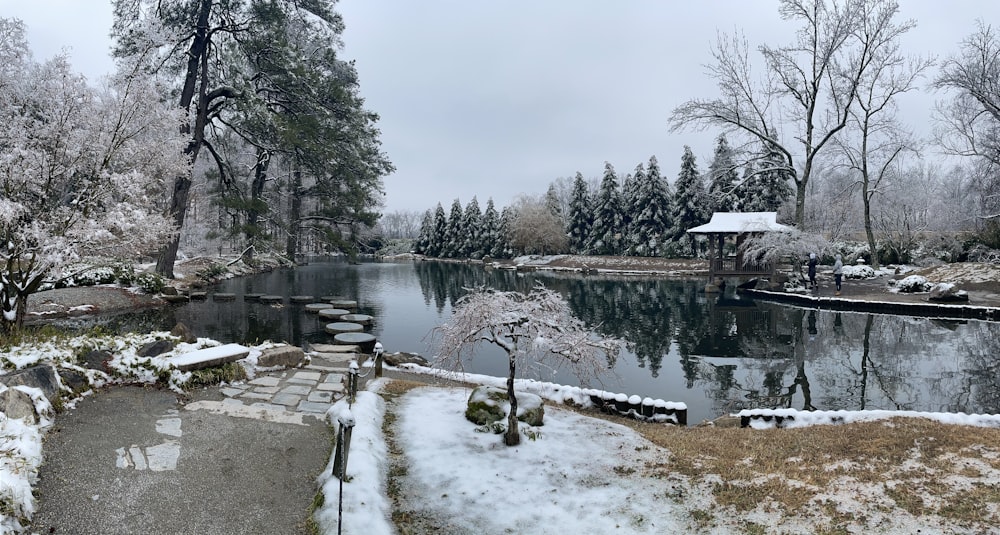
[208, 357]
[198, 295]
[301, 299]
[223, 297]
[329, 298]
[345, 303]
[328, 348]
[343, 327]
[332, 313]
[365, 341]
[252, 297]
[271, 299]
[314, 308]
[175, 298]
[362, 319]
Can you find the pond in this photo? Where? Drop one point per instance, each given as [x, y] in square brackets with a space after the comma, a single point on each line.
[715, 353]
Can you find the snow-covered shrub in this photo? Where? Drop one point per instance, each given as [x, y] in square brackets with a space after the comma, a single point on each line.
[859, 272]
[911, 284]
[151, 283]
[982, 253]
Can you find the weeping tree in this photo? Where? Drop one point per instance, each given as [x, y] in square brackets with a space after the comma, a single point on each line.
[537, 331]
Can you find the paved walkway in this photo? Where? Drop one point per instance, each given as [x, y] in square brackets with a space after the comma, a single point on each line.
[230, 460]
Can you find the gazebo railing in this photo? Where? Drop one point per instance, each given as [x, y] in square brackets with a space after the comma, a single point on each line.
[736, 266]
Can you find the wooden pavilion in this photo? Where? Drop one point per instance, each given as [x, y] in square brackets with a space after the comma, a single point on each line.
[740, 226]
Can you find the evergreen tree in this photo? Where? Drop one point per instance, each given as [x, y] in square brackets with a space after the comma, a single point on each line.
[490, 225]
[651, 209]
[452, 246]
[580, 216]
[766, 185]
[606, 234]
[472, 235]
[501, 248]
[435, 246]
[630, 200]
[723, 178]
[690, 199]
[423, 242]
[552, 203]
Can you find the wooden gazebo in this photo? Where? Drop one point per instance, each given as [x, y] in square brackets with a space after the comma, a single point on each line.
[741, 226]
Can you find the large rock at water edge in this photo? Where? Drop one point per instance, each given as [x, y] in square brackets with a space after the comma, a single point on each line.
[946, 292]
[395, 359]
[488, 404]
[287, 356]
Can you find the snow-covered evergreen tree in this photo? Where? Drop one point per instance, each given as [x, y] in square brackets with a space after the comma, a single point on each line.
[580, 216]
[766, 184]
[723, 178]
[435, 246]
[606, 234]
[490, 225]
[472, 231]
[426, 233]
[651, 212]
[453, 233]
[501, 248]
[553, 205]
[630, 201]
[690, 199]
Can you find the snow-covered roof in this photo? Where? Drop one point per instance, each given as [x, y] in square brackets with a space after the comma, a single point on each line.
[737, 222]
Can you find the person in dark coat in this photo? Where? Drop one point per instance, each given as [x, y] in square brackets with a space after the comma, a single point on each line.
[812, 270]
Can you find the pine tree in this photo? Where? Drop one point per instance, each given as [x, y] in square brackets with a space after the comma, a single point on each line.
[501, 248]
[723, 178]
[766, 185]
[472, 236]
[422, 245]
[630, 202]
[651, 209]
[580, 216]
[452, 247]
[606, 234]
[690, 200]
[490, 224]
[435, 246]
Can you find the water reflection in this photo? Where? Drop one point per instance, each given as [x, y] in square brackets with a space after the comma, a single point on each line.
[716, 353]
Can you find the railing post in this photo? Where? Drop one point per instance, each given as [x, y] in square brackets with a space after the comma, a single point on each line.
[346, 421]
[378, 359]
[352, 382]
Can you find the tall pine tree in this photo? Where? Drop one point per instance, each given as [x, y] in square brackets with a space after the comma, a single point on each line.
[452, 247]
[606, 234]
[767, 184]
[580, 216]
[435, 246]
[472, 235]
[501, 248]
[651, 212]
[723, 178]
[426, 233]
[490, 225]
[690, 199]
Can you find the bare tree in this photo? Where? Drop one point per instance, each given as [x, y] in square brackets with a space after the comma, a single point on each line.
[806, 93]
[536, 330]
[536, 229]
[874, 140]
[793, 246]
[400, 224]
[969, 125]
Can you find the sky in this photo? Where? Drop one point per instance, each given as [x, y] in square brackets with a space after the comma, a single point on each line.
[498, 99]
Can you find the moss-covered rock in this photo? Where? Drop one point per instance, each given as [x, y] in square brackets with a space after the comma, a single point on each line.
[489, 404]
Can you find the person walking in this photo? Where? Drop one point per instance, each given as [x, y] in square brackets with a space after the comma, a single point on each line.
[812, 270]
[838, 272]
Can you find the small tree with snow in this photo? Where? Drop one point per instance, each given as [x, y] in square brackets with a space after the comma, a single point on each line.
[536, 330]
[793, 245]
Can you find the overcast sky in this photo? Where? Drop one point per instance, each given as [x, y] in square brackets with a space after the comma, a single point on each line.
[495, 99]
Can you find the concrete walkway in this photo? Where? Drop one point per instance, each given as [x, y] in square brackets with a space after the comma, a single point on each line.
[229, 460]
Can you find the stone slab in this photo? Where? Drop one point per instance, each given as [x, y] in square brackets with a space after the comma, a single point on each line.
[298, 390]
[287, 400]
[208, 357]
[310, 406]
[266, 380]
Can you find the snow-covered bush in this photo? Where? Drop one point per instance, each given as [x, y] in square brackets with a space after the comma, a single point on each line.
[982, 253]
[859, 272]
[911, 284]
[151, 283]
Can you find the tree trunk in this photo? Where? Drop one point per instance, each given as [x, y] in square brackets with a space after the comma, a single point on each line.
[252, 230]
[513, 436]
[182, 184]
[294, 213]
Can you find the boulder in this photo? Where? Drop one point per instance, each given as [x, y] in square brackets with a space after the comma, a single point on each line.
[911, 284]
[169, 290]
[395, 359]
[184, 333]
[157, 348]
[946, 292]
[40, 377]
[97, 360]
[16, 404]
[489, 404]
[287, 356]
[74, 380]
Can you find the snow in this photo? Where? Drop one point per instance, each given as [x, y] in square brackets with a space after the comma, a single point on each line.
[735, 222]
[209, 354]
[769, 418]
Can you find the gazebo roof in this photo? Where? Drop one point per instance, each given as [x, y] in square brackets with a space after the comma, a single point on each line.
[740, 222]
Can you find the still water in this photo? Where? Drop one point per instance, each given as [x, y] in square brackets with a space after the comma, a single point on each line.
[714, 353]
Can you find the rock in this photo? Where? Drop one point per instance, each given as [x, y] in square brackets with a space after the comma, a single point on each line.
[184, 333]
[156, 348]
[16, 404]
[175, 298]
[40, 377]
[395, 359]
[946, 292]
[169, 290]
[287, 356]
[97, 360]
[488, 404]
[74, 380]
[911, 284]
